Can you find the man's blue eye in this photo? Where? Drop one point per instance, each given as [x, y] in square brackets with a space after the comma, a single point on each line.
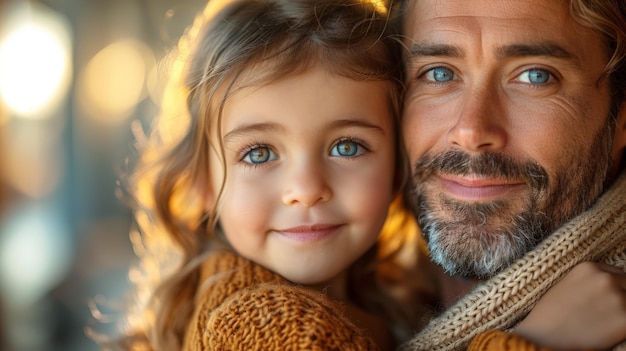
[346, 148]
[440, 74]
[535, 76]
[259, 154]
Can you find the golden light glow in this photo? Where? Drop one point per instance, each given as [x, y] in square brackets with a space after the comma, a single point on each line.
[33, 161]
[35, 65]
[113, 82]
[35, 76]
[381, 5]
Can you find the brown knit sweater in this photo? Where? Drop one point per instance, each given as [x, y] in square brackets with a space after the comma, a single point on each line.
[243, 306]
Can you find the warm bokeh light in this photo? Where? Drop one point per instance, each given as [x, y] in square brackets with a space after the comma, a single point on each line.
[33, 161]
[35, 77]
[4, 116]
[35, 64]
[114, 81]
[74, 75]
[35, 253]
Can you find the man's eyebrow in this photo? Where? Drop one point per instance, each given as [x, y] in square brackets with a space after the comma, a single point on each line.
[515, 50]
[546, 49]
[418, 50]
[540, 49]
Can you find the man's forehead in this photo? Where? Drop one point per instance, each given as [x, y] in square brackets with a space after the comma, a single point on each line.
[451, 15]
[503, 8]
[497, 23]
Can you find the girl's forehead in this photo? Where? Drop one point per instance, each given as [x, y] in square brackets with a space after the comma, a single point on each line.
[315, 94]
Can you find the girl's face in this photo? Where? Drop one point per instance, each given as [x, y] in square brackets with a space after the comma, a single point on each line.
[310, 169]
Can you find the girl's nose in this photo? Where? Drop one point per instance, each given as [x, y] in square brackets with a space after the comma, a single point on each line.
[306, 185]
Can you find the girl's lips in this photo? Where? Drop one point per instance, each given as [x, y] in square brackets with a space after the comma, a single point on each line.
[478, 189]
[309, 233]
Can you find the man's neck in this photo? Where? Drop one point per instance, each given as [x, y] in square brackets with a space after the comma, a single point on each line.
[451, 289]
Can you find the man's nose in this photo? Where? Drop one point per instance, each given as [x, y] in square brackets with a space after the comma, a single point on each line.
[306, 184]
[479, 121]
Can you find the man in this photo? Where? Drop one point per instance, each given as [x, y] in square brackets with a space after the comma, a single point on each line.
[515, 124]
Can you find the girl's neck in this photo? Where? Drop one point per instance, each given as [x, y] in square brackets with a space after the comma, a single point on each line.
[336, 287]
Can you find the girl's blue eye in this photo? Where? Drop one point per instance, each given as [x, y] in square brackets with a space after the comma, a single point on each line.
[439, 75]
[535, 76]
[346, 148]
[259, 154]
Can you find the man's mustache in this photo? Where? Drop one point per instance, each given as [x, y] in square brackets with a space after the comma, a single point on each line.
[485, 164]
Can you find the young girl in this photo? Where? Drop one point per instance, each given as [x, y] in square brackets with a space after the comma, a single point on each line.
[268, 191]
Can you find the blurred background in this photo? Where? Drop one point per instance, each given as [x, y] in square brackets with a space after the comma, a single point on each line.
[74, 75]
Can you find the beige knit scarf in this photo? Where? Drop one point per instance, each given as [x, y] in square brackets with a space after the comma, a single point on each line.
[598, 234]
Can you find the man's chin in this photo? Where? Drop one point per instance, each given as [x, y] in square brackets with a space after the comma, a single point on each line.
[471, 271]
[477, 252]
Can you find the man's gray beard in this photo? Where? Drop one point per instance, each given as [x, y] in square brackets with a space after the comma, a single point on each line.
[468, 244]
[466, 250]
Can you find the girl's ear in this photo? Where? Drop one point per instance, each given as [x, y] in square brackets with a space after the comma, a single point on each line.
[205, 191]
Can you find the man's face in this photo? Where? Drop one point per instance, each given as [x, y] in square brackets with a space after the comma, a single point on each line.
[506, 125]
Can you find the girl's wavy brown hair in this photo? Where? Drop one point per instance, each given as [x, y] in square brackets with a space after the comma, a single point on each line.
[231, 45]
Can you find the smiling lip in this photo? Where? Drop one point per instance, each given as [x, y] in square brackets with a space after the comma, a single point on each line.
[309, 232]
[478, 189]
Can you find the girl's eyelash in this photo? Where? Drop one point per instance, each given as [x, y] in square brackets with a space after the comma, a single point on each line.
[246, 149]
[241, 155]
[361, 142]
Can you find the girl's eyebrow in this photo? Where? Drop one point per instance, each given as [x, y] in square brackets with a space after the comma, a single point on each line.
[275, 127]
[252, 128]
[356, 122]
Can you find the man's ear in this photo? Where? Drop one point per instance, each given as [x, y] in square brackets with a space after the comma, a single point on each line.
[619, 138]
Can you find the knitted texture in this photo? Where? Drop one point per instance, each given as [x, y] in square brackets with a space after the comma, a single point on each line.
[498, 340]
[246, 307]
[598, 234]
